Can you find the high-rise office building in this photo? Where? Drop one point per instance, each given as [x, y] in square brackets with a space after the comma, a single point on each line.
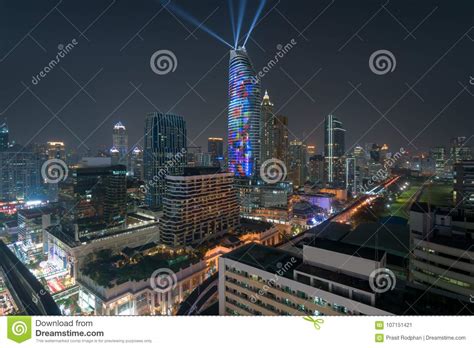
[310, 151]
[464, 184]
[267, 133]
[460, 151]
[198, 205]
[334, 149]
[273, 133]
[20, 174]
[280, 138]
[136, 163]
[352, 176]
[438, 155]
[115, 155]
[244, 115]
[100, 195]
[164, 153]
[316, 169]
[215, 147]
[56, 150]
[120, 142]
[297, 160]
[3, 136]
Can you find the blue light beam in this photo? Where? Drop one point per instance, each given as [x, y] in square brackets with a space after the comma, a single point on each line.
[180, 12]
[232, 19]
[255, 19]
[240, 19]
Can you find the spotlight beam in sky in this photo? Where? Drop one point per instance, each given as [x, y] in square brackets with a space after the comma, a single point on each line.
[255, 19]
[232, 19]
[180, 12]
[240, 19]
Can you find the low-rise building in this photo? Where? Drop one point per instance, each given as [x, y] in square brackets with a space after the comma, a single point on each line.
[442, 257]
[330, 279]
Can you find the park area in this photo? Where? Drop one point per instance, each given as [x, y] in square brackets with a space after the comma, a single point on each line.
[436, 193]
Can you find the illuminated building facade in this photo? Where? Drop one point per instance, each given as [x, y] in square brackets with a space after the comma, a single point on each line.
[273, 134]
[334, 148]
[198, 205]
[56, 150]
[297, 159]
[243, 116]
[120, 142]
[215, 147]
[164, 153]
[3, 137]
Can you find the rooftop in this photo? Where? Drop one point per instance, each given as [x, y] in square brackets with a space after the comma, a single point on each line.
[265, 258]
[346, 248]
[40, 211]
[336, 277]
[108, 269]
[392, 238]
[66, 232]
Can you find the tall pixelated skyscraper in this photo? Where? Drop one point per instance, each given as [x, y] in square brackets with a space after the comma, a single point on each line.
[244, 115]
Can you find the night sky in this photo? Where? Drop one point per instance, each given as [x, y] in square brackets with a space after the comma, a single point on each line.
[432, 42]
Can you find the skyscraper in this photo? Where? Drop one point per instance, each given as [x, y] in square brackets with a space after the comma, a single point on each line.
[136, 163]
[20, 174]
[464, 184]
[280, 137]
[100, 194]
[243, 115]
[3, 136]
[334, 148]
[460, 150]
[164, 153]
[266, 134]
[120, 142]
[297, 159]
[56, 150]
[438, 154]
[215, 147]
[316, 169]
[273, 134]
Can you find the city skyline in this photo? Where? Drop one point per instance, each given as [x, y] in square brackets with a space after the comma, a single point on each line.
[376, 93]
[270, 162]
